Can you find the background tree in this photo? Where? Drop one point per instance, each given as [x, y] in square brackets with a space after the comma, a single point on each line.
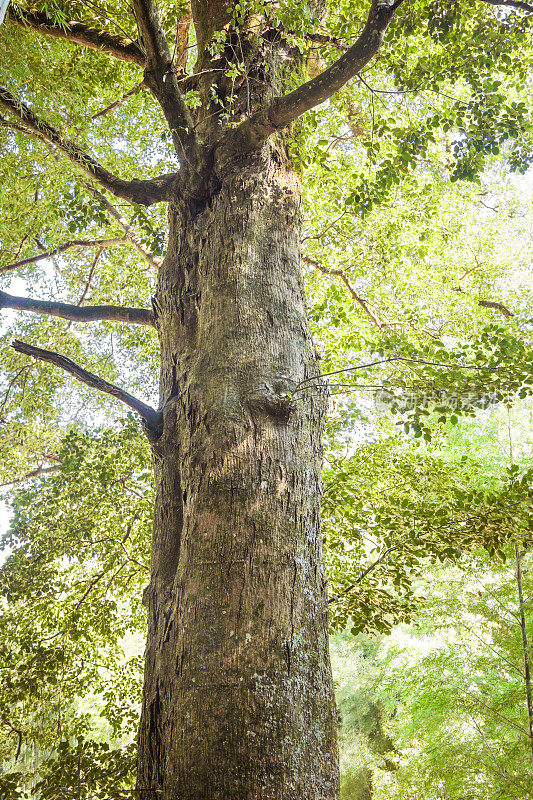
[237, 647]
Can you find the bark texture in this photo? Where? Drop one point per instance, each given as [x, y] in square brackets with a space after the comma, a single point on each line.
[238, 697]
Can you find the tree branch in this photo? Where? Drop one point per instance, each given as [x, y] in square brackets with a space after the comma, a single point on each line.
[497, 307]
[130, 234]
[19, 734]
[100, 243]
[489, 304]
[80, 33]
[35, 473]
[113, 106]
[364, 573]
[144, 192]
[90, 276]
[511, 4]
[151, 418]
[160, 77]
[338, 273]
[137, 316]
[284, 110]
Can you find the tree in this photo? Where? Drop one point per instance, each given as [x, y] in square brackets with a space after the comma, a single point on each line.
[458, 693]
[238, 697]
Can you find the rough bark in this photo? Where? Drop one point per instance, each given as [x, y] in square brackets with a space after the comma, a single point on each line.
[238, 696]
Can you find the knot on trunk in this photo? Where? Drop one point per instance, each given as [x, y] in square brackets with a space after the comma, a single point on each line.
[271, 403]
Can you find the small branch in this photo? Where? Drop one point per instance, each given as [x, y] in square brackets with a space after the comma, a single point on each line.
[378, 362]
[117, 103]
[144, 192]
[128, 554]
[525, 647]
[323, 38]
[90, 276]
[364, 573]
[160, 77]
[511, 4]
[492, 710]
[489, 303]
[131, 235]
[338, 273]
[80, 33]
[151, 417]
[35, 473]
[18, 732]
[136, 316]
[100, 243]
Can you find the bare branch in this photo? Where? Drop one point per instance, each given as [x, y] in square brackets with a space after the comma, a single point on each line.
[151, 418]
[100, 243]
[364, 573]
[160, 77]
[488, 303]
[137, 316]
[322, 38]
[80, 33]
[144, 192]
[284, 110]
[90, 276]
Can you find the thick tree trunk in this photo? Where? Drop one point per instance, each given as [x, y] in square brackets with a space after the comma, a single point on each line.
[238, 697]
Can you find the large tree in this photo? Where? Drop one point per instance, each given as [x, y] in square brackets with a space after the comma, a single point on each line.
[238, 696]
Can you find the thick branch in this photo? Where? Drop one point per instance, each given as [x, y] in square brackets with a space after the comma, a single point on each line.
[144, 192]
[497, 307]
[100, 243]
[284, 110]
[80, 33]
[151, 418]
[160, 77]
[137, 316]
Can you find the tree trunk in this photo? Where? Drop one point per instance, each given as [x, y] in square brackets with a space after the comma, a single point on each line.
[238, 697]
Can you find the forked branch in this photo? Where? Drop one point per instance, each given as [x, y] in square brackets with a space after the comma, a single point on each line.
[144, 192]
[284, 110]
[80, 33]
[152, 419]
[137, 316]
